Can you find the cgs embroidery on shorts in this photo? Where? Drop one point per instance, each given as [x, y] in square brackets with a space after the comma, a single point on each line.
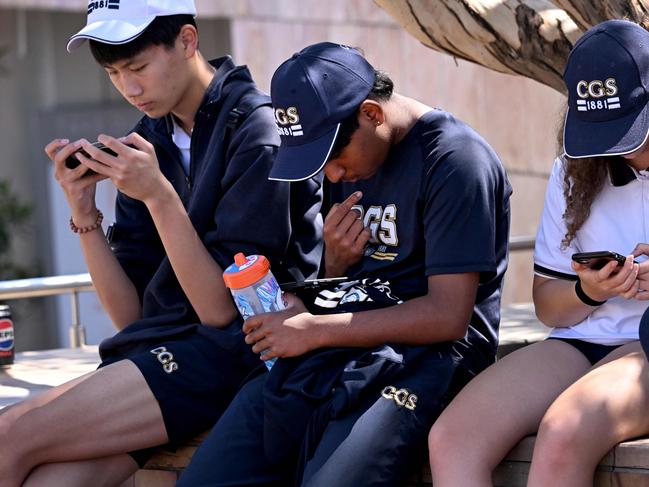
[402, 397]
[166, 358]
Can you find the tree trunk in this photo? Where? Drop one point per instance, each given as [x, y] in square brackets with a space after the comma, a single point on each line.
[527, 37]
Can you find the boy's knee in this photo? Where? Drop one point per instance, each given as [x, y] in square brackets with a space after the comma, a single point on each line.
[7, 421]
[5, 427]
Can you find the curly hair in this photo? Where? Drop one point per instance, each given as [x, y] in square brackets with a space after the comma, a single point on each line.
[583, 180]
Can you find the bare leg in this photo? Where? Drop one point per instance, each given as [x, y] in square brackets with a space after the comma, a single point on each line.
[496, 409]
[101, 472]
[606, 406]
[104, 413]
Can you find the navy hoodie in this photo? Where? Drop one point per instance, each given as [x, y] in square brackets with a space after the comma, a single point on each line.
[230, 201]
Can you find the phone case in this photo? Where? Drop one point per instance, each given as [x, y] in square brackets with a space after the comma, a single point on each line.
[598, 259]
[72, 162]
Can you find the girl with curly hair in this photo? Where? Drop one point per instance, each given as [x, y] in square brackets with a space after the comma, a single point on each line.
[586, 387]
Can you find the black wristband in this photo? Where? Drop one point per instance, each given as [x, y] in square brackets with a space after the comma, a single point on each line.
[584, 298]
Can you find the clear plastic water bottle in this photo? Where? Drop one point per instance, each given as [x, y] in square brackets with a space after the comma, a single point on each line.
[254, 288]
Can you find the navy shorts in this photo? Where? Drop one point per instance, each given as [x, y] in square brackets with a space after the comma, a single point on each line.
[594, 352]
[192, 377]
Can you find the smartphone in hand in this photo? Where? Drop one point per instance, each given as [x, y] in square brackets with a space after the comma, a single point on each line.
[72, 162]
[598, 259]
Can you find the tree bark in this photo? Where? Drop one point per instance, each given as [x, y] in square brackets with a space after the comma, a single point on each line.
[587, 13]
[528, 37]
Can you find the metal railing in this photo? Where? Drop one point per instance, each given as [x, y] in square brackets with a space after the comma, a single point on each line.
[53, 286]
[521, 242]
[76, 283]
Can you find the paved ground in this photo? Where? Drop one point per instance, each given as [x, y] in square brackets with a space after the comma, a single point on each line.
[34, 372]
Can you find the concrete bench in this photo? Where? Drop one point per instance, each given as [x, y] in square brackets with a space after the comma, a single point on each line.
[626, 465]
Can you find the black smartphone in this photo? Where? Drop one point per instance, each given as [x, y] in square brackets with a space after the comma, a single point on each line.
[72, 162]
[597, 260]
[312, 283]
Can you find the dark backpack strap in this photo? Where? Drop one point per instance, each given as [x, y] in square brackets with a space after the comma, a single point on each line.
[247, 104]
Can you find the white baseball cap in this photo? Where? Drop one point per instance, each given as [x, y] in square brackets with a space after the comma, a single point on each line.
[121, 21]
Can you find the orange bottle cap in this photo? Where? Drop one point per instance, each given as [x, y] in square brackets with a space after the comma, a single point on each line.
[245, 271]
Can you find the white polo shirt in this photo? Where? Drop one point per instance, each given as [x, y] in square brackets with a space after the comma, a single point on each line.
[619, 219]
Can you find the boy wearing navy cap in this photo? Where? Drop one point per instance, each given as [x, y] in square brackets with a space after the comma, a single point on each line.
[193, 189]
[418, 223]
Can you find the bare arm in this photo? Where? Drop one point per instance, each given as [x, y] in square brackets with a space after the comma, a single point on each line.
[441, 315]
[135, 172]
[197, 272]
[115, 290]
[556, 301]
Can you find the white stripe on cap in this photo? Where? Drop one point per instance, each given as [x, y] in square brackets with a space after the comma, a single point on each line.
[333, 142]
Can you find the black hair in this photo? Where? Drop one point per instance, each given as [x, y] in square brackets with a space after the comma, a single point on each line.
[381, 91]
[163, 31]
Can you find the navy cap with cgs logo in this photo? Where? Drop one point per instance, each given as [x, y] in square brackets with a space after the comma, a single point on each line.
[312, 93]
[607, 75]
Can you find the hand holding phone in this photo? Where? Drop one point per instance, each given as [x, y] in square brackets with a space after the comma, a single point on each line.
[72, 162]
[598, 259]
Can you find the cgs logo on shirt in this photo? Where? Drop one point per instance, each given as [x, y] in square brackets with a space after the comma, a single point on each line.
[597, 95]
[382, 223]
[287, 120]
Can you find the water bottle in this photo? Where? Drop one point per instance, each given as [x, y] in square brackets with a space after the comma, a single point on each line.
[254, 288]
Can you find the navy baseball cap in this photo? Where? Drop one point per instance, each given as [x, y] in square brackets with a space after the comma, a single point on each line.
[607, 76]
[312, 92]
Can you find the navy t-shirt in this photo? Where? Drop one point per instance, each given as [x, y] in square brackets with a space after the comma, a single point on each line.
[438, 205]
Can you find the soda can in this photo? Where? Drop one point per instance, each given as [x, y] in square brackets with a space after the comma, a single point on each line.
[6, 336]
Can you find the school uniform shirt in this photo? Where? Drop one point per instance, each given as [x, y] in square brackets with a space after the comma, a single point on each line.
[618, 221]
[439, 204]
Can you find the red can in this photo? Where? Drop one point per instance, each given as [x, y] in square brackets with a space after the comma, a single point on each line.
[6, 337]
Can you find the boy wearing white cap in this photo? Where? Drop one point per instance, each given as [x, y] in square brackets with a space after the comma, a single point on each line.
[184, 208]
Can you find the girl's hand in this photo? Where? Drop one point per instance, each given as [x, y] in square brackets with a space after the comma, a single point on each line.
[609, 281]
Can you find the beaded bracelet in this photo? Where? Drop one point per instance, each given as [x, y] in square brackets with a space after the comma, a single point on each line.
[94, 226]
[585, 298]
